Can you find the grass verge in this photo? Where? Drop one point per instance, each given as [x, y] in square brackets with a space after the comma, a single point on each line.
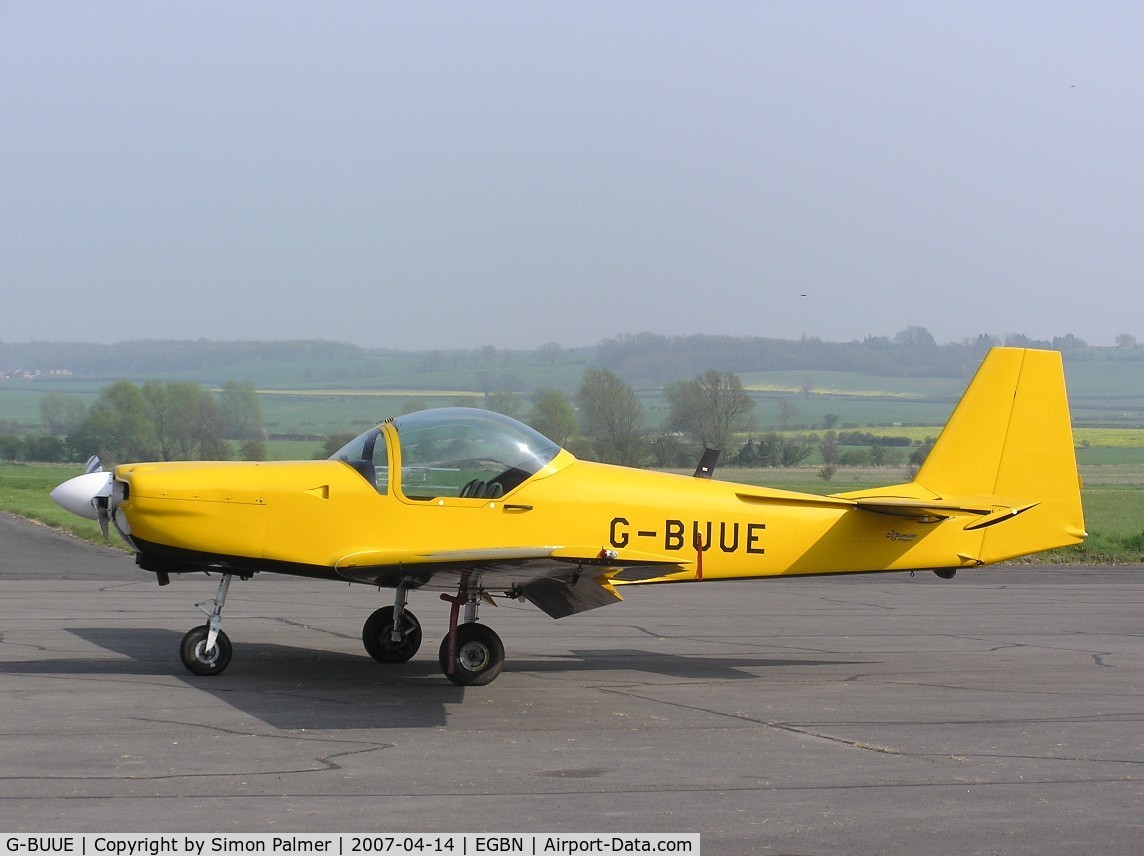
[24, 490]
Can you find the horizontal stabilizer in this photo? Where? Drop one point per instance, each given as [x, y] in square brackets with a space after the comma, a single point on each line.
[919, 509]
[897, 506]
[783, 497]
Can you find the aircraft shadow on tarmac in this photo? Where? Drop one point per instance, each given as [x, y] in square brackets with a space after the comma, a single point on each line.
[694, 668]
[296, 688]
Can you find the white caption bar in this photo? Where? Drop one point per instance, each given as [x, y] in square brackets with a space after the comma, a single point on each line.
[341, 844]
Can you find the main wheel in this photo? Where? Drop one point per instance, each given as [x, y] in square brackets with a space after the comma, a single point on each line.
[196, 657]
[377, 636]
[479, 656]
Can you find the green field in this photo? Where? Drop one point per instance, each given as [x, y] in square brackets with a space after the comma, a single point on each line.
[331, 396]
[1114, 516]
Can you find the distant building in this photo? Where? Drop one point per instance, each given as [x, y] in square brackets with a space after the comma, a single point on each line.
[35, 374]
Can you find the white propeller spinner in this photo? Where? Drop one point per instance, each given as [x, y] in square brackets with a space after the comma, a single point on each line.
[78, 495]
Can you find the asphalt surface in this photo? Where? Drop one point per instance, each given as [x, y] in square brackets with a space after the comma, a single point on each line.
[1000, 712]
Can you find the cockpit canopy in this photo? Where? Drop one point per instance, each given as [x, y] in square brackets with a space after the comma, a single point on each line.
[452, 451]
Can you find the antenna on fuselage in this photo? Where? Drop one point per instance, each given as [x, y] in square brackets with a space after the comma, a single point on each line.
[707, 464]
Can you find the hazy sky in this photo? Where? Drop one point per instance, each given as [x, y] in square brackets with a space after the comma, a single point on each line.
[424, 175]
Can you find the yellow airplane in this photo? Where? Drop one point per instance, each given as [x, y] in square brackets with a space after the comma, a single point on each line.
[476, 506]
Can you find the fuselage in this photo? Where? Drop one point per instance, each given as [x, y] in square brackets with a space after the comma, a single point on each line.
[317, 517]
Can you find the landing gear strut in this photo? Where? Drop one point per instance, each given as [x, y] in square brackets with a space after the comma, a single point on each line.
[206, 650]
[471, 655]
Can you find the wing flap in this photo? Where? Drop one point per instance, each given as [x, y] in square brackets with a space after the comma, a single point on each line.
[561, 598]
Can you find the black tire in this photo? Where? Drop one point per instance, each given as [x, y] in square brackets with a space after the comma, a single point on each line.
[377, 633]
[197, 659]
[479, 656]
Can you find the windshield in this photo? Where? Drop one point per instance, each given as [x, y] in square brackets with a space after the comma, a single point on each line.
[366, 454]
[458, 451]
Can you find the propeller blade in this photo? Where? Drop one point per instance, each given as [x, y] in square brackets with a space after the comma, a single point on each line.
[101, 512]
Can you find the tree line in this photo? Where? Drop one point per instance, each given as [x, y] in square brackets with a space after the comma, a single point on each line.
[642, 359]
[650, 359]
[155, 421]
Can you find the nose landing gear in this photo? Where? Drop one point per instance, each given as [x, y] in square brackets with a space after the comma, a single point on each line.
[206, 650]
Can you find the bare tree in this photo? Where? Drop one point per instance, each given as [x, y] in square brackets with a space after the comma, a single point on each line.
[612, 414]
[241, 410]
[788, 410]
[711, 406]
[549, 353]
[61, 413]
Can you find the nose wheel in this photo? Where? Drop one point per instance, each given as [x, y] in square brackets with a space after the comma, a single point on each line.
[201, 660]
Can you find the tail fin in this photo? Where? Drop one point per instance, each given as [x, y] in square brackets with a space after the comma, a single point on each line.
[1009, 442]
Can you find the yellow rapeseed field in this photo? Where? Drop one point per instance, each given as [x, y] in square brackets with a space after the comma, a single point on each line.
[1107, 438]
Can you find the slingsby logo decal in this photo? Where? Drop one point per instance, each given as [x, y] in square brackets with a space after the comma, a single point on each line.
[895, 535]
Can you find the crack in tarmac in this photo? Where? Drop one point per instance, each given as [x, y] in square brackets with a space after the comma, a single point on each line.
[806, 731]
[304, 626]
[326, 763]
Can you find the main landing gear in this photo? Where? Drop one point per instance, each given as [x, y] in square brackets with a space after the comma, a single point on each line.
[471, 654]
[392, 634]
